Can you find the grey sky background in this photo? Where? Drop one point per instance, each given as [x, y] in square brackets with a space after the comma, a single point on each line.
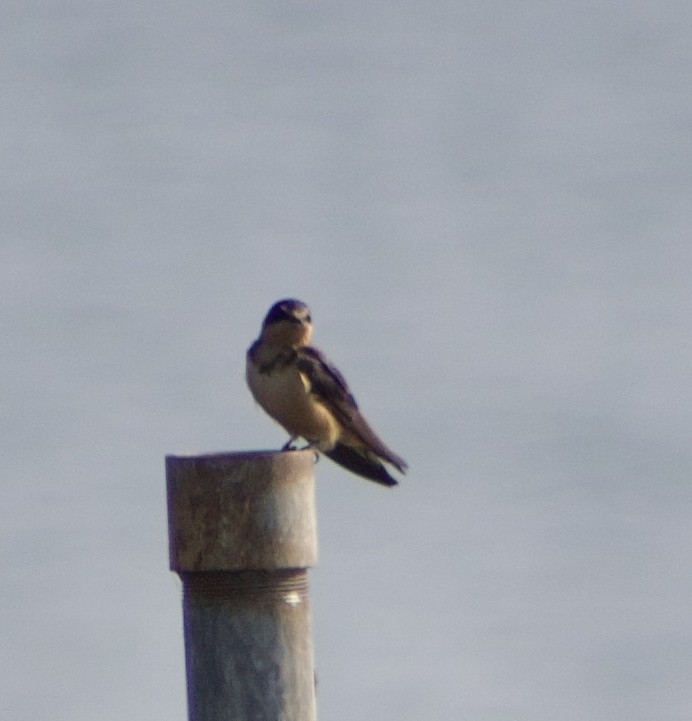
[487, 206]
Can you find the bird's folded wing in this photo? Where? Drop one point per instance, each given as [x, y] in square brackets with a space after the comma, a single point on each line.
[332, 390]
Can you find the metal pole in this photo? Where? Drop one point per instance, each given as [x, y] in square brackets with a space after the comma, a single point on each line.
[242, 534]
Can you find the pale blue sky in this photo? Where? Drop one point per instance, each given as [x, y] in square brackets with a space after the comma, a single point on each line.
[487, 206]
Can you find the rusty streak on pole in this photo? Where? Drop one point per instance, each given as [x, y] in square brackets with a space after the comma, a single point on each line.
[242, 535]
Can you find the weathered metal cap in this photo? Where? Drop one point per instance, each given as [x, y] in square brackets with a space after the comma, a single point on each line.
[241, 511]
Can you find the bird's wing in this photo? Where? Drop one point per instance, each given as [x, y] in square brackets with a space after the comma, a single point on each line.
[332, 390]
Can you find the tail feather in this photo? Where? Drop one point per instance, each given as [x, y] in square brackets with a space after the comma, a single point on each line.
[363, 465]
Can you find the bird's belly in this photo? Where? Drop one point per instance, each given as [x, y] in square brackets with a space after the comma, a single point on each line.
[285, 395]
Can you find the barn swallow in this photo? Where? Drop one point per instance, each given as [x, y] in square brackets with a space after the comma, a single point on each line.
[301, 390]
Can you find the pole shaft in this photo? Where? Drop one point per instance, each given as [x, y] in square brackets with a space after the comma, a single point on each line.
[242, 535]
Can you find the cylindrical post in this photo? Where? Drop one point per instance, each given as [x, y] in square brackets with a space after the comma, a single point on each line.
[242, 535]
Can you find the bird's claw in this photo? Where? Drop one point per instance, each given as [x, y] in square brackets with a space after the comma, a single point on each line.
[312, 447]
[290, 446]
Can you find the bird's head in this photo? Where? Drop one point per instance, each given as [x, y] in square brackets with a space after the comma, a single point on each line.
[288, 323]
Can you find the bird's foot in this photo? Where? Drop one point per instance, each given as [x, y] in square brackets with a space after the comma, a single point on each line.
[309, 446]
[313, 446]
[291, 446]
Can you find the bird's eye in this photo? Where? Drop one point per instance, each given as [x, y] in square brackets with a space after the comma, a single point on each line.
[308, 318]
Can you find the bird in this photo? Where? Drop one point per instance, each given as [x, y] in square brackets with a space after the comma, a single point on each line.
[295, 384]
